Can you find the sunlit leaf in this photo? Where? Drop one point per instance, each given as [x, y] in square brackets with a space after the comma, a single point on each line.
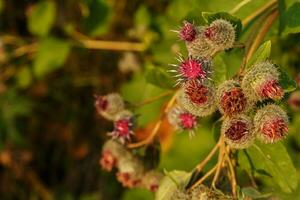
[276, 161]
[168, 185]
[261, 54]
[41, 18]
[50, 56]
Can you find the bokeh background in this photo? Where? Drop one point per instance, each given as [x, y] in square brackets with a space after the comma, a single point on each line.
[56, 54]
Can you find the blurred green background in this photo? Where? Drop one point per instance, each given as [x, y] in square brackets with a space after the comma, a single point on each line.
[56, 54]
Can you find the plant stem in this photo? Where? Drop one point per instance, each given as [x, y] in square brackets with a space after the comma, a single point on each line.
[209, 173]
[152, 99]
[258, 12]
[219, 164]
[200, 166]
[261, 34]
[232, 172]
[156, 127]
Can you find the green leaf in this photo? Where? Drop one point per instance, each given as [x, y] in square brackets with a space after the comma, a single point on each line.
[50, 56]
[286, 82]
[262, 53]
[96, 23]
[159, 77]
[1, 5]
[168, 186]
[24, 77]
[254, 194]
[236, 22]
[41, 18]
[142, 17]
[140, 194]
[292, 19]
[274, 159]
[220, 69]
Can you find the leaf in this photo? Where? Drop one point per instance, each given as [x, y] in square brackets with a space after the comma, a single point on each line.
[24, 77]
[41, 18]
[274, 159]
[168, 186]
[254, 194]
[1, 5]
[220, 69]
[236, 22]
[137, 193]
[262, 53]
[142, 17]
[51, 55]
[281, 8]
[96, 23]
[286, 82]
[159, 77]
[292, 19]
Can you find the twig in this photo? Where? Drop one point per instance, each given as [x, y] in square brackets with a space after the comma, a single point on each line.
[220, 163]
[147, 101]
[239, 6]
[261, 34]
[156, 127]
[209, 173]
[209, 156]
[258, 12]
[232, 172]
[113, 45]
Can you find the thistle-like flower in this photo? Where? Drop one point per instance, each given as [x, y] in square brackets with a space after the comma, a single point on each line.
[128, 179]
[199, 47]
[231, 98]
[271, 123]
[151, 180]
[187, 32]
[238, 131]
[109, 105]
[199, 98]
[220, 34]
[192, 68]
[182, 119]
[123, 126]
[261, 82]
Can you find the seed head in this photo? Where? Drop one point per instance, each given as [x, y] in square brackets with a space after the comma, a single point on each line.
[238, 131]
[261, 82]
[198, 97]
[187, 32]
[271, 123]
[220, 34]
[108, 106]
[231, 98]
[202, 192]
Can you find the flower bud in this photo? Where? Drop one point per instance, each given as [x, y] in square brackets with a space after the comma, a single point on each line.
[199, 47]
[187, 32]
[108, 161]
[261, 82]
[220, 34]
[238, 131]
[198, 97]
[123, 126]
[108, 106]
[231, 98]
[271, 123]
[182, 119]
[192, 68]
